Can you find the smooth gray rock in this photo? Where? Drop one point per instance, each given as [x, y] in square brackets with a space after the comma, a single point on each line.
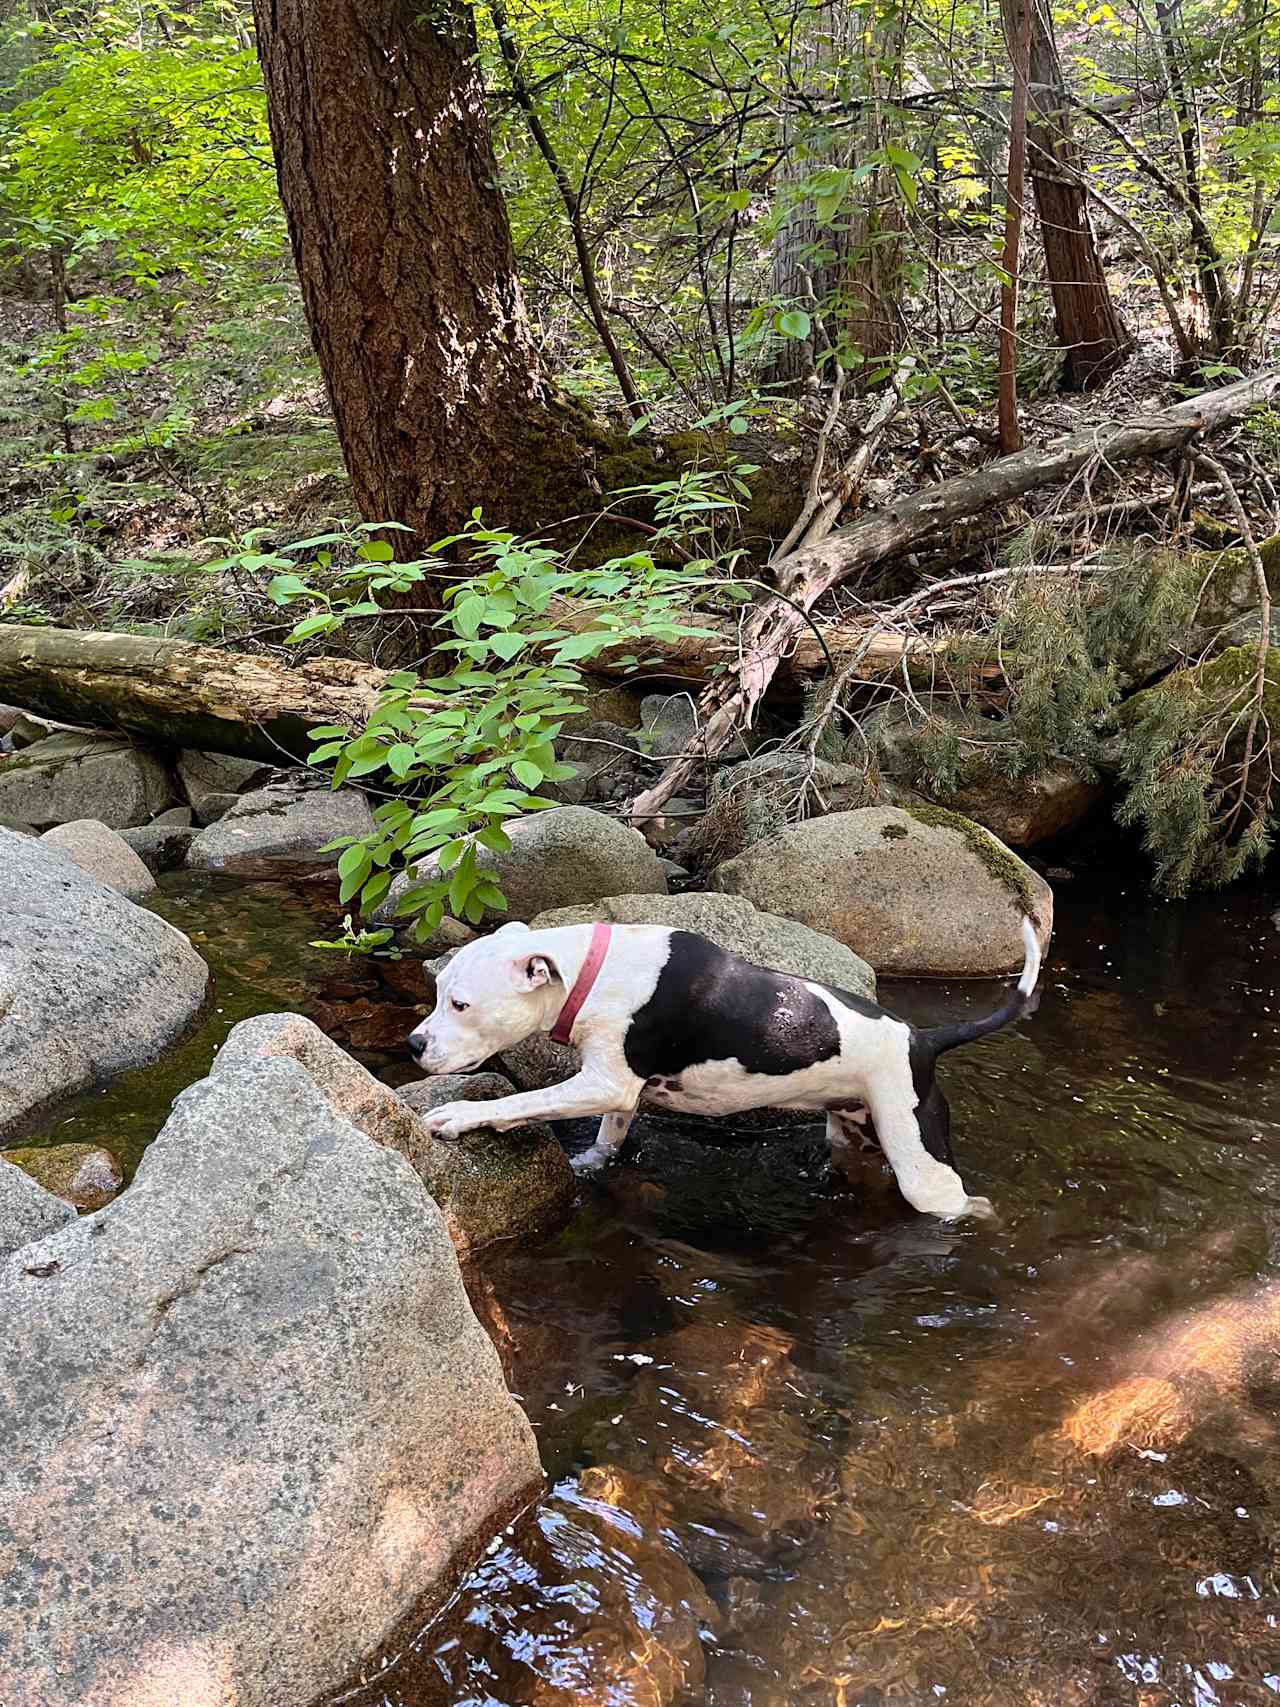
[918, 892]
[206, 778]
[89, 983]
[729, 920]
[248, 1420]
[104, 854]
[69, 776]
[177, 817]
[559, 858]
[161, 847]
[281, 830]
[27, 1210]
[488, 1186]
[670, 722]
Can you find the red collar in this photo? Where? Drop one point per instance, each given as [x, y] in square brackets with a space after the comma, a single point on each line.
[600, 935]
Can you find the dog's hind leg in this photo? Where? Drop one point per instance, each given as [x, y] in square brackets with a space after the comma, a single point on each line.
[609, 1139]
[929, 1185]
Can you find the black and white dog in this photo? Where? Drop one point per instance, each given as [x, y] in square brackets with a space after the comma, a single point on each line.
[666, 1015]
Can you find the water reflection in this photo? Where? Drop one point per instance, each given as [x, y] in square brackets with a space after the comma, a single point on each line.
[852, 1457]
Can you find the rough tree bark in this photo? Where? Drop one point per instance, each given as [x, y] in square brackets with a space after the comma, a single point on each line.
[389, 183]
[1088, 327]
[177, 694]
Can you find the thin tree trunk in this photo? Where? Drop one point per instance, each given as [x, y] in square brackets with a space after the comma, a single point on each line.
[1088, 326]
[1210, 266]
[572, 200]
[1018, 31]
[389, 183]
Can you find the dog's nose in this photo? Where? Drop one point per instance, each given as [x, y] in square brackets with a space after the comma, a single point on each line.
[417, 1045]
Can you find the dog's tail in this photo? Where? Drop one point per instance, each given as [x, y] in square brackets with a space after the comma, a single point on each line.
[940, 1038]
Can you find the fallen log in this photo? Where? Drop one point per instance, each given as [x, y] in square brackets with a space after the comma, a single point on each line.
[769, 636]
[176, 694]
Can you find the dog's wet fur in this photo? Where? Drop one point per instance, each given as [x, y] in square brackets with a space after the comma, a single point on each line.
[679, 1022]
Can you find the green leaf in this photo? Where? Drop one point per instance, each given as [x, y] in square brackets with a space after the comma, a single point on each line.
[401, 759]
[794, 324]
[376, 551]
[526, 772]
[467, 615]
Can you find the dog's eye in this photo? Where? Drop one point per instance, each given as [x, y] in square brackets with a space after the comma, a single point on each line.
[459, 1007]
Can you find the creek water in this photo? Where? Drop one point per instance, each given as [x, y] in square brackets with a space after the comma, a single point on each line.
[804, 1446]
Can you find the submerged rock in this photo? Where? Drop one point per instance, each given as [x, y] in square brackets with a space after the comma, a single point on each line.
[27, 1210]
[85, 1175]
[489, 1186]
[919, 891]
[89, 983]
[576, 1608]
[70, 776]
[735, 1496]
[104, 855]
[280, 830]
[560, 858]
[248, 1421]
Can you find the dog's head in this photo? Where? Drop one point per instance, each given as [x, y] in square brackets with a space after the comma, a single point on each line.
[493, 993]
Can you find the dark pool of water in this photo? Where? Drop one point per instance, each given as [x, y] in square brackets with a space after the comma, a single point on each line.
[808, 1447]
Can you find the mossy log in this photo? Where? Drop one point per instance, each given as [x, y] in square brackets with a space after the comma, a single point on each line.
[176, 694]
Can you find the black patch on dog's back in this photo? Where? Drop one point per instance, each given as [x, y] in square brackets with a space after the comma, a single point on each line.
[711, 1006]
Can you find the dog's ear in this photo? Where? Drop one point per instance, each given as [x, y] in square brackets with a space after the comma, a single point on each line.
[512, 928]
[532, 971]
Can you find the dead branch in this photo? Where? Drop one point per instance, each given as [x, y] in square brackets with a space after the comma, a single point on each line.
[883, 534]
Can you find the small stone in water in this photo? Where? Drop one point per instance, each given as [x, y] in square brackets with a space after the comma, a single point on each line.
[84, 1174]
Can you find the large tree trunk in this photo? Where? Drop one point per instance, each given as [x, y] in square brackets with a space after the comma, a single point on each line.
[1088, 326]
[388, 178]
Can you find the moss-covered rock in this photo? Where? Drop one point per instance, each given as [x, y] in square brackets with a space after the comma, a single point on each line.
[920, 892]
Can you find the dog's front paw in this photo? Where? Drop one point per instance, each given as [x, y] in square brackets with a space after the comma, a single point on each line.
[451, 1119]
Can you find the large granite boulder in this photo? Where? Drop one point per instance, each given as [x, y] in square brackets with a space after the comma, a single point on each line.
[280, 831]
[73, 775]
[729, 920]
[917, 892]
[104, 854]
[559, 858]
[489, 1186]
[90, 984]
[248, 1421]
[27, 1212]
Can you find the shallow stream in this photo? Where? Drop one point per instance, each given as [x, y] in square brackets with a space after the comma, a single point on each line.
[1035, 1462]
